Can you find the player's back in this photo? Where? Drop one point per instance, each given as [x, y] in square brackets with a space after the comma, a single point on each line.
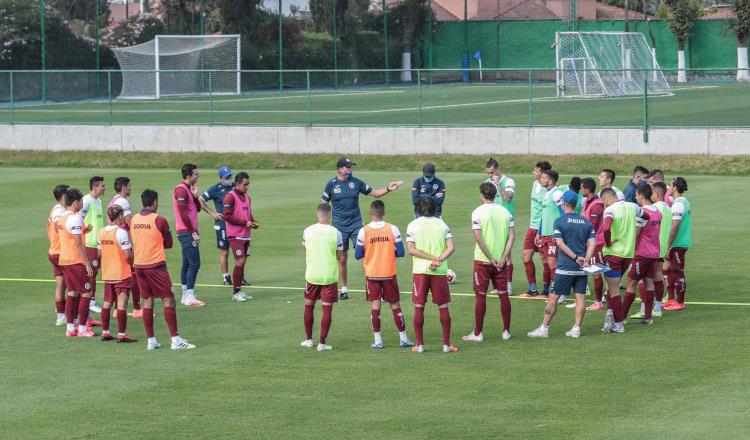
[494, 221]
[148, 244]
[115, 266]
[428, 235]
[380, 250]
[321, 243]
[623, 230]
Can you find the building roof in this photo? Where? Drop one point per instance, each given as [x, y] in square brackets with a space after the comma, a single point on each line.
[609, 12]
[722, 12]
[486, 10]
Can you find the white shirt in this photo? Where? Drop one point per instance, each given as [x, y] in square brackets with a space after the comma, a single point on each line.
[57, 211]
[378, 225]
[123, 203]
[74, 223]
[678, 210]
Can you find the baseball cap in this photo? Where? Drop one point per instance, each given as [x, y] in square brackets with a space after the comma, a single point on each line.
[570, 196]
[428, 169]
[345, 162]
[225, 172]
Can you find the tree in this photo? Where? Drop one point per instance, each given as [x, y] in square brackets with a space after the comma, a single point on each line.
[136, 30]
[410, 16]
[683, 14]
[741, 26]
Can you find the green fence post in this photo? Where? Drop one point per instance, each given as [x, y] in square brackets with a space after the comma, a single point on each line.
[309, 101]
[429, 40]
[335, 51]
[210, 99]
[42, 35]
[281, 48]
[12, 103]
[202, 29]
[385, 37]
[645, 111]
[109, 96]
[419, 95]
[531, 100]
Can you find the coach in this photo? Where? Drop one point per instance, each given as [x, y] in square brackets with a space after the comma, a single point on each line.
[342, 192]
[428, 186]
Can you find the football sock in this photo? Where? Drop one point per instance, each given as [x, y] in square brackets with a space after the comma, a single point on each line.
[105, 319]
[122, 321]
[170, 315]
[530, 273]
[445, 323]
[670, 285]
[680, 287]
[648, 304]
[70, 310]
[238, 274]
[532, 286]
[598, 288]
[615, 303]
[659, 290]
[375, 318]
[505, 311]
[309, 319]
[83, 310]
[60, 306]
[398, 318]
[480, 308]
[419, 324]
[627, 302]
[325, 323]
[148, 322]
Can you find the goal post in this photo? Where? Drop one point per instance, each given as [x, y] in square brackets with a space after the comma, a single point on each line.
[591, 64]
[171, 65]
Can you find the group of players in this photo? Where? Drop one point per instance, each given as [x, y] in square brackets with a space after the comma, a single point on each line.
[643, 232]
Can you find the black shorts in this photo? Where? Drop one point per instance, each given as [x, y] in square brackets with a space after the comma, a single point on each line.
[349, 234]
[221, 237]
[563, 283]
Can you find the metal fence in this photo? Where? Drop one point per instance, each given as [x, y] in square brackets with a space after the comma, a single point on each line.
[463, 97]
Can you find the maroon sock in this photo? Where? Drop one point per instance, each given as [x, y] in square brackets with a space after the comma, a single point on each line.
[136, 293]
[509, 269]
[309, 320]
[105, 318]
[615, 302]
[445, 323]
[398, 318]
[325, 323]
[627, 301]
[648, 303]
[530, 271]
[599, 288]
[76, 303]
[83, 310]
[419, 324]
[505, 311]
[670, 285]
[480, 308]
[238, 274]
[60, 306]
[122, 320]
[70, 310]
[375, 316]
[148, 321]
[92, 280]
[680, 286]
[170, 315]
[547, 277]
[658, 290]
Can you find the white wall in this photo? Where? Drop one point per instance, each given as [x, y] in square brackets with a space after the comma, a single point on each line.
[374, 140]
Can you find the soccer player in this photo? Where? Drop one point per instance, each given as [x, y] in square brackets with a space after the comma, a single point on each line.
[575, 186]
[576, 241]
[680, 240]
[619, 237]
[75, 266]
[324, 251]
[58, 193]
[606, 180]
[342, 192]
[551, 210]
[216, 193]
[123, 190]
[93, 218]
[428, 186]
[658, 197]
[151, 237]
[116, 255]
[658, 176]
[640, 175]
[239, 225]
[506, 197]
[186, 204]
[593, 211]
[529, 242]
[647, 247]
[430, 242]
[379, 243]
[494, 233]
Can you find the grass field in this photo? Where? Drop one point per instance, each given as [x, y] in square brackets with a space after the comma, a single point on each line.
[492, 104]
[683, 377]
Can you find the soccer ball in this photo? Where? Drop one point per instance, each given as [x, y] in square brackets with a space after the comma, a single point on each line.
[451, 276]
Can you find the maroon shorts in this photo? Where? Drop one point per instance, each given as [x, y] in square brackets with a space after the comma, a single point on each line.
[617, 264]
[76, 279]
[677, 259]
[112, 289]
[598, 257]
[387, 290]
[93, 256]
[55, 260]
[424, 284]
[154, 282]
[240, 248]
[327, 293]
[528, 241]
[549, 246]
[642, 267]
[486, 273]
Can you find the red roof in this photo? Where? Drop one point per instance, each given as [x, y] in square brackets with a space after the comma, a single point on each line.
[608, 12]
[486, 10]
[723, 12]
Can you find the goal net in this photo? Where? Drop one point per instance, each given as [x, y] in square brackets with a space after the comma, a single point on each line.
[593, 64]
[180, 65]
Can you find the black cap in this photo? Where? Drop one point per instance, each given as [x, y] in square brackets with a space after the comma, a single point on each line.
[345, 162]
[428, 169]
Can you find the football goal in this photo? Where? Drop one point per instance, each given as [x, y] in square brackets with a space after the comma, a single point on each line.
[591, 64]
[172, 65]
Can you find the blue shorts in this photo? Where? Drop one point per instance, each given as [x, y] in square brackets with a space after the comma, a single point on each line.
[562, 284]
[221, 237]
[349, 234]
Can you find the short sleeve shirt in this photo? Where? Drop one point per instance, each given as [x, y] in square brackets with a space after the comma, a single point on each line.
[344, 198]
[74, 224]
[377, 225]
[216, 194]
[339, 238]
[575, 231]
[123, 203]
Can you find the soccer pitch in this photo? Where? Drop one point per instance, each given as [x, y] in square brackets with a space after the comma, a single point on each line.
[696, 104]
[683, 377]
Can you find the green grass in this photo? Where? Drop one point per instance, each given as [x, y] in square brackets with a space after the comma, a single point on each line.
[683, 377]
[491, 104]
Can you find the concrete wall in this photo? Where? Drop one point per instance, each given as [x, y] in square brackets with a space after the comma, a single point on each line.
[374, 140]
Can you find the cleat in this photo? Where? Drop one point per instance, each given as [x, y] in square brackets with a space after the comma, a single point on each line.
[638, 315]
[307, 343]
[246, 282]
[181, 344]
[71, 334]
[343, 296]
[506, 335]
[377, 346]
[472, 337]
[87, 334]
[675, 307]
[609, 321]
[417, 349]
[570, 305]
[656, 314]
[61, 319]
[561, 299]
[405, 344]
[93, 323]
[195, 303]
[239, 297]
[574, 332]
[125, 338]
[645, 321]
[529, 295]
[324, 347]
[595, 306]
[667, 303]
[153, 345]
[450, 349]
[227, 280]
[107, 337]
[619, 327]
[539, 332]
[94, 307]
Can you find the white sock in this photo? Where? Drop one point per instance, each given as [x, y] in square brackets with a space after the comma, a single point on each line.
[403, 336]
[510, 288]
[575, 327]
[176, 339]
[190, 293]
[226, 274]
[184, 289]
[657, 305]
[106, 332]
[81, 328]
[71, 327]
[152, 340]
[344, 289]
[545, 327]
[643, 308]
[378, 338]
[60, 315]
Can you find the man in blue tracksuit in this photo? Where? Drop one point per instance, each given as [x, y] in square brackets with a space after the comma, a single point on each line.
[428, 186]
